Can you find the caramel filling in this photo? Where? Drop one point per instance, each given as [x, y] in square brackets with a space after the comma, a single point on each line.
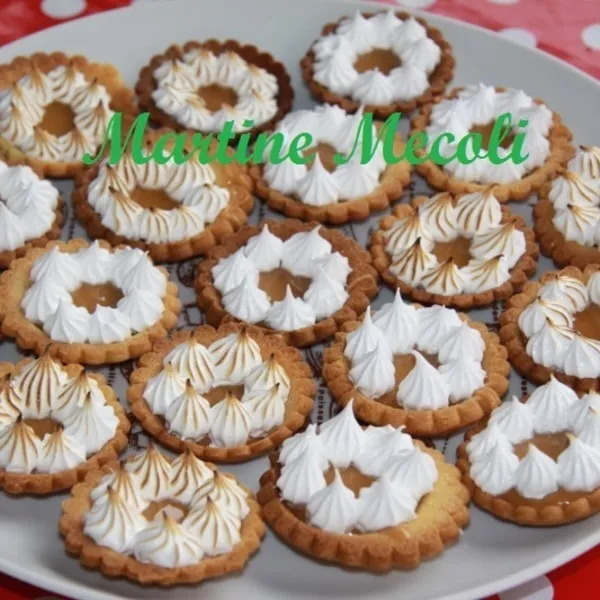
[551, 444]
[217, 394]
[381, 59]
[216, 96]
[275, 282]
[326, 153]
[58, 119]
[587, 322]
[41, 427]
[486, 132]
[159, 509]
[457, 249]
[148, 198]
[90, 296]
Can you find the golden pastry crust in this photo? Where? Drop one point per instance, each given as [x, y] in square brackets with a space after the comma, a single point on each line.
[519, 274]
[441, 421]
[115, 564]
[438, 79]
[553, 243]
[549, 515]
[516, 343]
[393, 180]
[233, 176]
[122, 100]
[298, 405]
[29, 336]
[361, 284]
[441, 515]
[47, 483]
[561, 152]
[146, 83]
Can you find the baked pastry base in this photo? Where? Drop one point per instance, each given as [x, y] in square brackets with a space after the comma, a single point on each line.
[543, 516]
[441, 515]
[519, 274]
[553, 243]
[47, 483]
[392, 183]
[361, 284]
[516, 342]
[121, 101]
[231, 218]
[438, 79]
[298, 405]
[441, 421]
[29, 336]
[561, 152]
[115, 564]
[251, 54]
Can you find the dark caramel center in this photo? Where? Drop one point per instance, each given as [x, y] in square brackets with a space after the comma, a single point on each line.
[90, 296]
[172, 508]
[217, 394]
[41, 427]
[216, 96]
[58, 119]
[148, 198]
[587, 322]
[382, 59]
[275, 282]
[457, 249]
[486, 132]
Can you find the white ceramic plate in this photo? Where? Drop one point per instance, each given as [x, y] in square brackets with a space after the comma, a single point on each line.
[491, 555]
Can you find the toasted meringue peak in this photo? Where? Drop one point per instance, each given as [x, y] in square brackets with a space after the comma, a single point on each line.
[405, 232]
[437, 217]
[445, 279]
[162, 389]
[188, 473]
[411, 264]
[478, 212]
[234, 356]
[152, 473]
[189, 415]
[266, 408]
[231, 422]
[20, 448]
[587, 162]
[483, 275]
[266, 375]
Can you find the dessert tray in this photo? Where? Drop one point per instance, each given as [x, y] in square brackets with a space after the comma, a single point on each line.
[492, 555]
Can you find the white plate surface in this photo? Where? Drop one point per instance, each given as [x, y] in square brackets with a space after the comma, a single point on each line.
[491, 555]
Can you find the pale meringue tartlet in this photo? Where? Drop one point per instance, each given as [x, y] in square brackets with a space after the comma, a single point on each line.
[91, 304]
[385, 61]
[57, 422]
[300, 280]
[460, 251]
[567, 214]
[226, 394]
[474, 109]
[429, 369]
[371, 498]
[55, 108]
[162, 521]
[31, 211]
[201, 85]
[553, 328]
[174, 211]
[537, 461]
[323, 190]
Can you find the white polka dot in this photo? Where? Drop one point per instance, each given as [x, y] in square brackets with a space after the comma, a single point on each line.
[521, 36]
[591, 36]
[503, 1]
[63, 9]
[416, 3]
[539, 588]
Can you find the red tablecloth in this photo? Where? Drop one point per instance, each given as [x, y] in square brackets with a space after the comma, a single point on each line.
[569, 29]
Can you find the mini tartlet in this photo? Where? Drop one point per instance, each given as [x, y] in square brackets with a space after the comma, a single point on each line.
[567, 214]
[227, 394]
[173, 211]
[57, 422]
[474, 108]
[387, 62]
[537, 461]
[201, 85]
[321, 190]
[461, 251]
[428, 369]
[553, 328]
[373, 498]
[161, 521]
[297, 279]
[87, 304]
[55, 108]
[31, 211]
